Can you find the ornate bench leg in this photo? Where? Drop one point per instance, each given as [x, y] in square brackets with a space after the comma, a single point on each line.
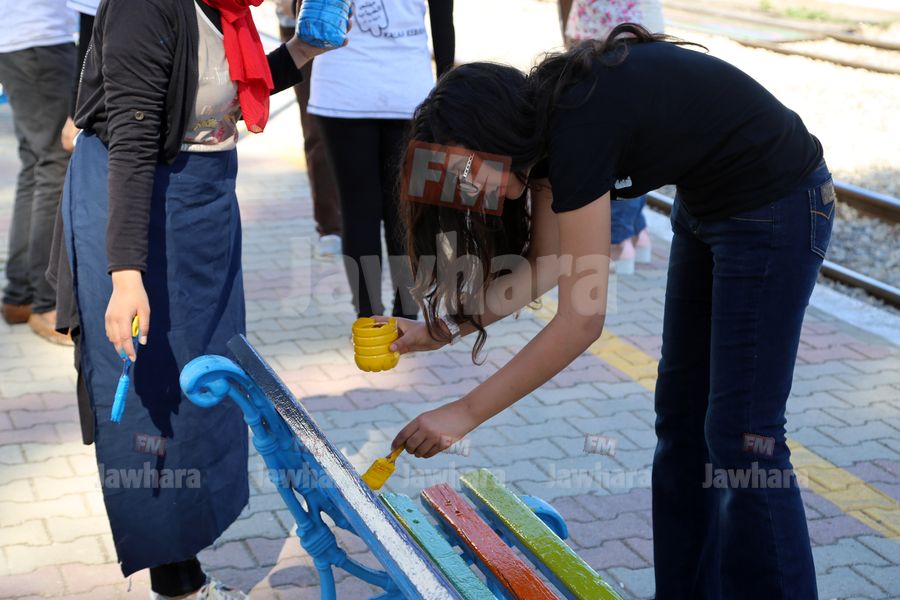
[206, 381]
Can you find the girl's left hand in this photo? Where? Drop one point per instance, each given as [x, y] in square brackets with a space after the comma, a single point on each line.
[302, 52]
[436, 430]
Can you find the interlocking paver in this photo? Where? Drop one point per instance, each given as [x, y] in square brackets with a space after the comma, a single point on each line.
[58, 466]
[51, 488]
[828, 383]
[608, 425]
[844, 582]
[102, 580]
[635, 582]
[26, 558]
[228, 555]
[15, 492]
[883, 365]
[64, 528]
[849, 435]
[623, 526]
[875, 409]
[846, 553]
[11, 455]
[42, 582]
[845, 456]
[31, 532]
[812, 438]
[830, 529]
[805, 372]
[510, 453]
[259, 524]
[46, 433]
[614, 553]
[612, 505]
[885, 577]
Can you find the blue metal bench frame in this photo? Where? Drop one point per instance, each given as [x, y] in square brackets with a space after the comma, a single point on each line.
[291, 443]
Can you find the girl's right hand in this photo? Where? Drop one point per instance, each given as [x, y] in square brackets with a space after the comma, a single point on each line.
[129, 298]
[414, 336]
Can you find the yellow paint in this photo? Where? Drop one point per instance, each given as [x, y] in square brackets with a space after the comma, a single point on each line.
[848, 492]
[383, 467]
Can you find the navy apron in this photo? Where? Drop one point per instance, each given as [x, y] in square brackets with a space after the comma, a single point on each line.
[174, 476]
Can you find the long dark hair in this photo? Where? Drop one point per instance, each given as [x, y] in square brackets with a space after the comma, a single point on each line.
[497, 109]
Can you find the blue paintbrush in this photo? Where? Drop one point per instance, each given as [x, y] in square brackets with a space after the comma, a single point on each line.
[125, 380]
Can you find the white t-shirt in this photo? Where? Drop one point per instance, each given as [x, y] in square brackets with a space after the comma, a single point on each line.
[385, 70]
[87, 7]
[32, 23]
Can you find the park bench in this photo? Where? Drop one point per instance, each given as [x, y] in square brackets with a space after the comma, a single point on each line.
[421, 558]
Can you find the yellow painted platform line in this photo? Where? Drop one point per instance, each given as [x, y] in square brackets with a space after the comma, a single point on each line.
[845, 490]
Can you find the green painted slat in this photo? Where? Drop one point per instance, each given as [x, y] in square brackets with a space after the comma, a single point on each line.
[441, 552]
[572, 574]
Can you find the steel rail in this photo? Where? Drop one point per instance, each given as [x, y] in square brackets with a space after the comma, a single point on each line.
[883, 291]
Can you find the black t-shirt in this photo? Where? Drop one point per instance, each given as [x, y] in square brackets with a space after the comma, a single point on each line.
[672, 115]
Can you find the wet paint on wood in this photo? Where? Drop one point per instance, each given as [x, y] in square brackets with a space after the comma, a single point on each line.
[519, 580]
[441, 552]
[557, 561]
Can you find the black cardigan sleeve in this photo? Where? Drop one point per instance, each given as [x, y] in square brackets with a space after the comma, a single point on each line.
[443, 34]
[137, 67]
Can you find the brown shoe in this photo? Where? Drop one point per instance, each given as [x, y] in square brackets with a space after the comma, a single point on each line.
[14, 314]
[44, 325]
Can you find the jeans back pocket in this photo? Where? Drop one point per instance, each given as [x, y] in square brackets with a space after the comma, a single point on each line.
[822, 201]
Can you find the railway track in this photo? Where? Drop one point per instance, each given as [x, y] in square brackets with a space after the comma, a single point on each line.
[778, 35]
[882, 206]
[878, 289]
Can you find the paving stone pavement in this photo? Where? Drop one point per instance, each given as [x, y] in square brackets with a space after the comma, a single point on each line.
[55, 541]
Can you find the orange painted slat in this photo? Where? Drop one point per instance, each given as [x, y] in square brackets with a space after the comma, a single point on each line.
[517, 577]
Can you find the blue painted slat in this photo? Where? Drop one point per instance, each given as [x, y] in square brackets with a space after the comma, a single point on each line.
[441, 552]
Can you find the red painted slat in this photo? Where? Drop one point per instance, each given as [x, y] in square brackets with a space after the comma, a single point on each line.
[515, 575]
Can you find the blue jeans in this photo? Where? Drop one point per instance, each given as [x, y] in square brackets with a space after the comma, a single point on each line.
[627, 218]
[735, 298]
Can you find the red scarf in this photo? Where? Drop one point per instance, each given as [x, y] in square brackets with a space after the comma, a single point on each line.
[247, 62]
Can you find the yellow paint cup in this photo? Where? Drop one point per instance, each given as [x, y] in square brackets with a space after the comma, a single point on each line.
[372, 342]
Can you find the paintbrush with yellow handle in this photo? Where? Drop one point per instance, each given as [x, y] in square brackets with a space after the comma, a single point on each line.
[381, 469]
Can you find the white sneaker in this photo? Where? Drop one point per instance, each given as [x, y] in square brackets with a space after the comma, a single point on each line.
[213, 589]
[216, 590]
[622, 256]
[643, 247]
[329, 246]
